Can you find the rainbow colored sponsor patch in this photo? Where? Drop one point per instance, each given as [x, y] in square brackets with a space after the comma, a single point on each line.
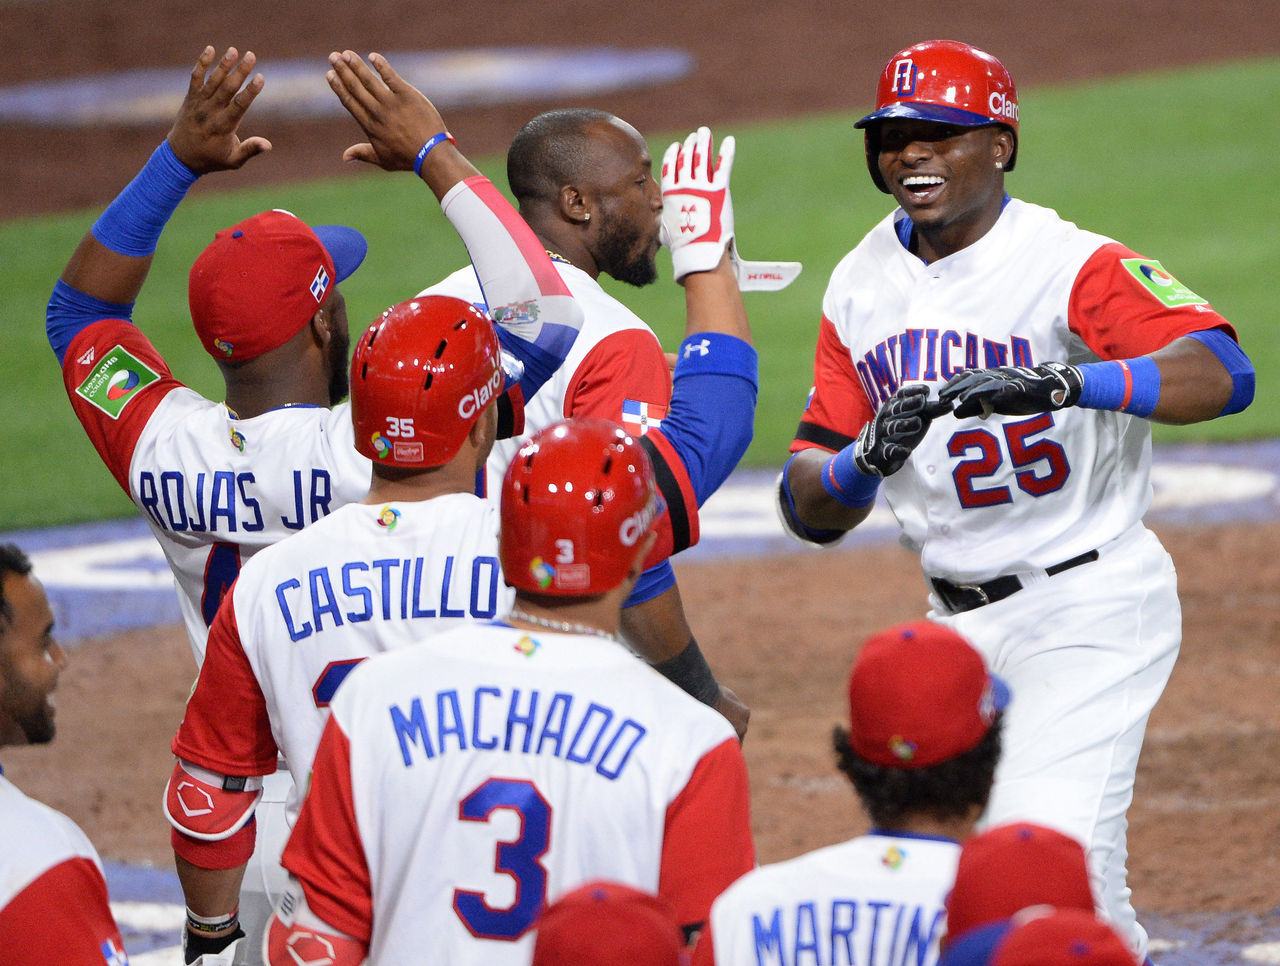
[223, 346]
[902, 749]
[389, 517]
[527, 646]
[380, 445]
[893, 857]
[237, 439]
[1166, 289]
[116, 381]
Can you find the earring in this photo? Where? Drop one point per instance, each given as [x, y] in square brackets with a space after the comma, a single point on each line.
[587, 216]
[999, 165]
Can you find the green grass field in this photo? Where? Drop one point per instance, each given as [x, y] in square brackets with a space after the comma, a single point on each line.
[1172, 164]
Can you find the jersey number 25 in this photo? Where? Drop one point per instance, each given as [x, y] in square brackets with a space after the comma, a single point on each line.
[1040, 465]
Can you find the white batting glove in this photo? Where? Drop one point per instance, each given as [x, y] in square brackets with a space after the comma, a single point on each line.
[697, 216]
[697, 211]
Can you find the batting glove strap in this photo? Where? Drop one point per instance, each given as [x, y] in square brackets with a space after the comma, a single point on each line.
[697, 210]
[1013, 390]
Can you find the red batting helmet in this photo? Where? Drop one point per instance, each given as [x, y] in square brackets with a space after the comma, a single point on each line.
[421, 375]
[577, 500]
[944, 81]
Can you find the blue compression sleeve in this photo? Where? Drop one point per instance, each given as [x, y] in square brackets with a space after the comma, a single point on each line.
[791, 519]
[132, 223]
[656, 580]
[713, 407]
[845, 483]
[71, 310]
[1236, 363]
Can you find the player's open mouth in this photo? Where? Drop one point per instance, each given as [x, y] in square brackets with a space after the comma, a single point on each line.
[922, 187]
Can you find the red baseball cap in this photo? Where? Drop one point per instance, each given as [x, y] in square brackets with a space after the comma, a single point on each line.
[1010, 867]
[919, 694]
[260, 281]
[1041, 936]
[1063, 937]
[608, 924]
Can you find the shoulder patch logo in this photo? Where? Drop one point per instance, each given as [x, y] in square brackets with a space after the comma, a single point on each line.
[116, 381]
[1164, 288]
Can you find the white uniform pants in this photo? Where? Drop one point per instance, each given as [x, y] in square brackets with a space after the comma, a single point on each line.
[264, 878]
[1086, 654]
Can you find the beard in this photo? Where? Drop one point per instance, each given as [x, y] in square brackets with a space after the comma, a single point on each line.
[30, 711]
[623, 253]
[339, 376]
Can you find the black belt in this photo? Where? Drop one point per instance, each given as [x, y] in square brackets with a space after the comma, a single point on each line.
[961, 597]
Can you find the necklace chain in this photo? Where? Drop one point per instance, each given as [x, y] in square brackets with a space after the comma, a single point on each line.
[557, 257]
[553, 625]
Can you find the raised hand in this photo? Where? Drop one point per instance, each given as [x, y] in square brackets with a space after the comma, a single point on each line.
[205, 135]
[697, 210]
[395, 116]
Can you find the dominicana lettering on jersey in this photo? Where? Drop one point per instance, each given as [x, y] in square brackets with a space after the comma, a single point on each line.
[933, 355]
[847, 932]
[391, 588]
[491, 718]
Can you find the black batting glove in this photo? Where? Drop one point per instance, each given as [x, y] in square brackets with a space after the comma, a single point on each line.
[1013, 390]
[887, 440]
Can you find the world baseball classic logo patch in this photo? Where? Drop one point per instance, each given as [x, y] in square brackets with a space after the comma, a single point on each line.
[115, 381]
[1166, 289]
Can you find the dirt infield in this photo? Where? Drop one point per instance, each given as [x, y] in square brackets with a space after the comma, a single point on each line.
[1207, 813]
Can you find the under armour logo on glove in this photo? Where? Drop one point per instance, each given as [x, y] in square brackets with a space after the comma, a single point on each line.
[695, 217]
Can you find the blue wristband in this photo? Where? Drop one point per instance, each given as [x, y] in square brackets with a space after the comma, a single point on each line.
[423, 151]
[847, 484]
[132, 223]
[1124, 385]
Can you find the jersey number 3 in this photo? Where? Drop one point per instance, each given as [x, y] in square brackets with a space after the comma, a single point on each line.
[521, 859]
[1040, 465]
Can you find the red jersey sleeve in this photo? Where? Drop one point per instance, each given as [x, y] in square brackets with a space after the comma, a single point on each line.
[1123, 305]
[707, 841]
[324, 852]
[61, 917]
[678, 526]
[626, 365]
[838, 406]
[115, 379]
[226, 727]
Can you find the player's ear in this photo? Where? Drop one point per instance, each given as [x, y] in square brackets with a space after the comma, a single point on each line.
[1003, 146]
[321, 329]
[574, 205]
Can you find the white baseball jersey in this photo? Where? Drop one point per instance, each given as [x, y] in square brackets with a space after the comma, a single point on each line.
[1087, 651]
[214, 489]
[53, 898]
[366, 579]
[615, 370]
[461, 782]
[877, 900]
[979, 498]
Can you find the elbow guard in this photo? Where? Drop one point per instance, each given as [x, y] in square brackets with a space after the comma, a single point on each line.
[294, 923]
[791, 522]
[207, 806]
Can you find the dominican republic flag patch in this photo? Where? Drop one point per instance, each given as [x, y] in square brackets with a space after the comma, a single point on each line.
[640, 417]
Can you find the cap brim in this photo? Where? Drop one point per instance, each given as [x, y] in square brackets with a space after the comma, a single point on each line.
[927, 112]
[346, 246]
[1000, 693]
[977, 946]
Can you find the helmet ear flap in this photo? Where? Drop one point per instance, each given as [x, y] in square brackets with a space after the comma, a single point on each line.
[871, 144]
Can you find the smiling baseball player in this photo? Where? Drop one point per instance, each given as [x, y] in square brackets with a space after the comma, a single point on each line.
[1055, 346]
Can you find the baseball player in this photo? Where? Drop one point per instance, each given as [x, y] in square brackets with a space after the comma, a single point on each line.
[217, 482]
[462, 781]
[1040, 935]
[925, 720]
[583, 181]
[1054, 346]
[53, 898]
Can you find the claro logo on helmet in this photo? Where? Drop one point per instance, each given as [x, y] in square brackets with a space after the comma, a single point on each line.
[637, 525]
[1002, 106]
[477, 399]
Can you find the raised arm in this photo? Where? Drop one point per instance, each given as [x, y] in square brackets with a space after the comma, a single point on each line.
[533, 308]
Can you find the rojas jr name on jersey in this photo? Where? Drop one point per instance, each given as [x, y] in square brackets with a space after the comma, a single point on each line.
[226, 502]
